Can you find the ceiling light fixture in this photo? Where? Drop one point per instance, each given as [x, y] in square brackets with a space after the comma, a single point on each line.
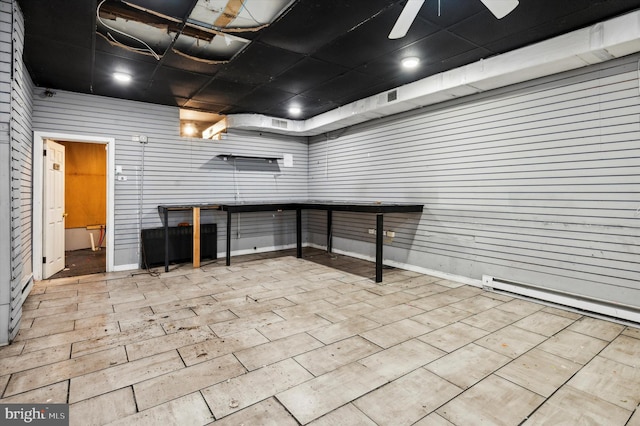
[294, 110]
[410, 62]
[189, 129]
[122, 77]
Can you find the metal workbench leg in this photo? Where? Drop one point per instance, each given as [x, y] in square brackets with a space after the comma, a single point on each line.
[166, 240]
[329, 229]
[228, 238]
[299, 233]
[379, 243]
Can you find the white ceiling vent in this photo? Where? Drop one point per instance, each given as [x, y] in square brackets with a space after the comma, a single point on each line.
[392, 96]
[280, 124]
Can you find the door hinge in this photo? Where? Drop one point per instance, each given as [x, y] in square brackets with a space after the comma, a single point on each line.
[44, 152]
[44, 260]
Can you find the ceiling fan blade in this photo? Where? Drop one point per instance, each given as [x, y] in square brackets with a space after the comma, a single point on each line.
[500, 8]
[406, 18]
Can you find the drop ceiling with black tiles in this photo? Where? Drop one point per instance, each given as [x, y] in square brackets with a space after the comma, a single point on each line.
[219, 57]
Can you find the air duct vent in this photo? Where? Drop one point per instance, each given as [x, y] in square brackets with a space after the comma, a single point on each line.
[280, 124]
[392, 96]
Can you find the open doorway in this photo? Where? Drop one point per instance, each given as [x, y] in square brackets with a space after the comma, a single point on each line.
[85, 216]
[88, 205]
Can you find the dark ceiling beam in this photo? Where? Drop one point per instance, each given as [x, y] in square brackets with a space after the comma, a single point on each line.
[230, 12]
[111, 10]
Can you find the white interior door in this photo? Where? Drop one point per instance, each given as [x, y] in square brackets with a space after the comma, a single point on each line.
[54, 210]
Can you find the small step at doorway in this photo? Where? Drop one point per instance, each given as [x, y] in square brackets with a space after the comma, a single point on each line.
[83, 262]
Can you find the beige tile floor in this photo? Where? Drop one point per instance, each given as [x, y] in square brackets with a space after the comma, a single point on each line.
[275, 340]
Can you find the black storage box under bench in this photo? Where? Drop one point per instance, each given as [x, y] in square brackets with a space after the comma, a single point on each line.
[180, 244]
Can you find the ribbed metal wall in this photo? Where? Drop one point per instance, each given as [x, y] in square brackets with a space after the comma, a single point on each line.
[16, 155]
[174, 170]
[535, 183]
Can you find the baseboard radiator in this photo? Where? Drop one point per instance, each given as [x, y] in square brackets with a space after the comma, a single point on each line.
[583, 304]
[180, 244]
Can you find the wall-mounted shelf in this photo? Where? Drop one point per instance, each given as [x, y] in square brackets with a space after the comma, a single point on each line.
[227, 157]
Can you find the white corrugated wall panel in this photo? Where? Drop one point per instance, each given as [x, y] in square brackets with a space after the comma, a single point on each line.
[170, 169]
[535, 183]
[16, 155]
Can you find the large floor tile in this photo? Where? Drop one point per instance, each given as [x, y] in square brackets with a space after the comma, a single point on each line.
[213, 348]
[408, 399]
[539, 371]
[261, 355]
[237, 393]
[319, 396]
[610, 380]
[330, 357]
[343, 329]
[103, 409]
[188, 410]
[625, 350]
[187, 380]
[570, 406]
[119, 376]
[265, 413]
[63, 370]
[494, 401]
[468, 365]
[544, 323]
[345, 415]
[605, 330]
[510, 341]
[573, 346]
[401, 359]
[397, 332]
[453, 336]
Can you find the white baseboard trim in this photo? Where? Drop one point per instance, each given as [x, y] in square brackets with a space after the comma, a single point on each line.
[406, 266]
[574, 303]
[129, 267]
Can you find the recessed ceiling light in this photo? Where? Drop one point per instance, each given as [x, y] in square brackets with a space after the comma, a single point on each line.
[122, 77]
[410, 62]
[189, 129]
[294, 110]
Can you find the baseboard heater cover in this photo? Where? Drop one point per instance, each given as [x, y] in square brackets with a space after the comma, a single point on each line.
[180, 244]
[578, 302]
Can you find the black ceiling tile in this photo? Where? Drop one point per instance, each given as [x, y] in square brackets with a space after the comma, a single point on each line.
[223, 91]
[61, 21]
[261, 100]
[371, 40]
[136, 89]
[49, 65]
[260, 59]
[432, 50]
[306, 74]
[309, 107]
[570, 17]
[445, 13]
[177, 82]
[311, 24]
[343, 87]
